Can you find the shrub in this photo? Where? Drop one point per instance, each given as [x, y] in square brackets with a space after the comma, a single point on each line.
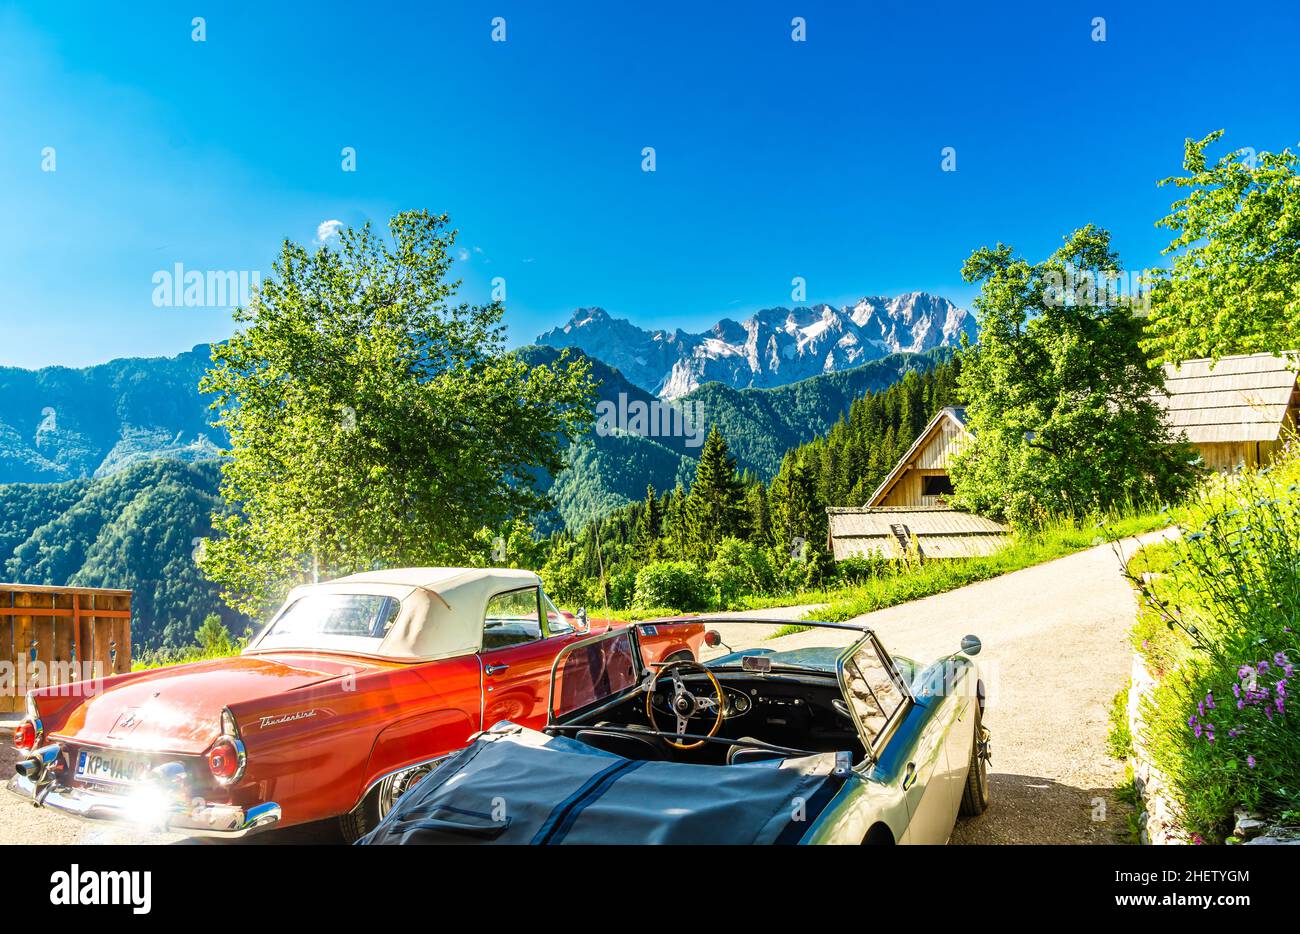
[740, 569]
[677, 584]
[1220, 723]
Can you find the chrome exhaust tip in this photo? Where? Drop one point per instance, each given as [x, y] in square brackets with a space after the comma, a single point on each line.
[39, 763]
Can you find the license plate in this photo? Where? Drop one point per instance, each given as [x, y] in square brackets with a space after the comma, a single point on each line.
[108, 767]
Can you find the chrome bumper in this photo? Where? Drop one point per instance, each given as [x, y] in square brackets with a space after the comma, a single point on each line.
[149, 807]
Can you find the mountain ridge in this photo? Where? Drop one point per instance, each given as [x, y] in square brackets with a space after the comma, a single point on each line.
[772, 347]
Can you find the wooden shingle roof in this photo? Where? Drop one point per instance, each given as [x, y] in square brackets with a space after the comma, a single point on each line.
[939, 532]
[1241, 398]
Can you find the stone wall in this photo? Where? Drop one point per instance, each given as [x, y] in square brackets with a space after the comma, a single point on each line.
[1157, 819]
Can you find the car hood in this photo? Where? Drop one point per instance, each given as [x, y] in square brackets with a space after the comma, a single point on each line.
[178, 708]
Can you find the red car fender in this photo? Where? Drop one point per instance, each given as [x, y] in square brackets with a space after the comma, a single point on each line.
[405, 743]
[323, 747]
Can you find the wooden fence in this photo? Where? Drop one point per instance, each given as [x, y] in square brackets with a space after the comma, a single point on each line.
[57, 635]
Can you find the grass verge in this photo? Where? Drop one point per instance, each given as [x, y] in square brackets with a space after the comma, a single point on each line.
[1022, 551]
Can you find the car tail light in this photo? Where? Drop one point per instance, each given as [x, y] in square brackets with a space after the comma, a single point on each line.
[224, 760]
[25, 735]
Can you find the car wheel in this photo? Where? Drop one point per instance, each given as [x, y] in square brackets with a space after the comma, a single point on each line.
[366, 816]
[975, 797]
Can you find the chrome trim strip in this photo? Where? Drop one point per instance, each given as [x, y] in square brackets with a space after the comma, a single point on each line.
[210, 820]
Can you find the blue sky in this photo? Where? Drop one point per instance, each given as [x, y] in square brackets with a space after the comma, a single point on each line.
[775, 158]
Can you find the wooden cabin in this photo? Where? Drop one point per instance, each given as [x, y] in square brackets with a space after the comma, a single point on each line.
[907, 515]
[1237, 411]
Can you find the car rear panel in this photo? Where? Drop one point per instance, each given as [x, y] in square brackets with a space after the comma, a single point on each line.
[177, 709]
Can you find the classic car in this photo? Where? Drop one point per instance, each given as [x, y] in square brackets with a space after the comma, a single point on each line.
[814, 736]
[351, 690]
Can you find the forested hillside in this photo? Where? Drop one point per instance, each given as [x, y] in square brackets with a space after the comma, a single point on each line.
[610, 470]
[729, 532]
[133, 530]
[60, 424]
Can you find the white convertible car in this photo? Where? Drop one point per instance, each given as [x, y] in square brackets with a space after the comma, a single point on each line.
[817, 736]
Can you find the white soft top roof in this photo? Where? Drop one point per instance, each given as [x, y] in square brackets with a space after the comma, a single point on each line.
[442, 608]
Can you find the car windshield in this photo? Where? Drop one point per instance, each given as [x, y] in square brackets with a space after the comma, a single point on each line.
[333, 620]
[754, 645]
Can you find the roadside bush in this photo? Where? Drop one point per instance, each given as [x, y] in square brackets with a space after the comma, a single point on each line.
[1220, 723]
[861, 570]
[740, 569]
[677, 584]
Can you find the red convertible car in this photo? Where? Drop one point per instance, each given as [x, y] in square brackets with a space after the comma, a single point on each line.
[352, 691]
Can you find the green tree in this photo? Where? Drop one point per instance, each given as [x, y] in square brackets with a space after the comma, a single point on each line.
[1235, 282]
[373, 420]
[798, 513]
[760, 513]
[214, 637]
[1061, 395]
[715, 505]
[649, 524]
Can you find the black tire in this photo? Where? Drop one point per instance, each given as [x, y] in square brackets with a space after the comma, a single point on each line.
[975, 796]
[366, 816]
[360, 820]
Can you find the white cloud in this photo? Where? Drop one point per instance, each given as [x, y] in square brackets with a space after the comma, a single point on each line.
[327, 230]
[462, 254]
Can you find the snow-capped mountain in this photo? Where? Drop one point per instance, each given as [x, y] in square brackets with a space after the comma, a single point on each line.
[770, 348]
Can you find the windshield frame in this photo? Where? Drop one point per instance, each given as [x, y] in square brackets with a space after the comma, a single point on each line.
[856, 630]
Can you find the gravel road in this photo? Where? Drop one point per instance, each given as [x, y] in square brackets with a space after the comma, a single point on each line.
[1055, 652]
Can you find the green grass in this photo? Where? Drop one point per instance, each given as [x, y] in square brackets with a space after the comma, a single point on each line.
[1119, 739]
[935, 577]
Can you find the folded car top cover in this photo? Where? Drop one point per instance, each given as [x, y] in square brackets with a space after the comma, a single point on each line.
[514, 785]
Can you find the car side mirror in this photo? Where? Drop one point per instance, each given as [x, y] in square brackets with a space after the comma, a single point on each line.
[583, 623]
[712, 638]
[971, 645]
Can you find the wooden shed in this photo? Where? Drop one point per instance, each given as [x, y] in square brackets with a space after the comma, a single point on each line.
[1235, 411]
[57, 635]
[907, 515]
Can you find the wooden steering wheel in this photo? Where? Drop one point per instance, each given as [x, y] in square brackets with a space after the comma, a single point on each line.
[684, 704]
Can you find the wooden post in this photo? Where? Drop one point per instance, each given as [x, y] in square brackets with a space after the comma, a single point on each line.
[11, 698]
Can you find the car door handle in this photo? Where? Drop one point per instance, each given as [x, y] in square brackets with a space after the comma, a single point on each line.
[909, 777]
[493, 669]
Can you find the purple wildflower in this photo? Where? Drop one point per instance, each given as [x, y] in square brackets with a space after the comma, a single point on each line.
[1250, 761]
